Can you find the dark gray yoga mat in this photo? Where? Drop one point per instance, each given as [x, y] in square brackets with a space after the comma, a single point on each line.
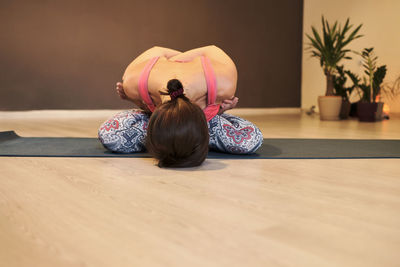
[12, 145]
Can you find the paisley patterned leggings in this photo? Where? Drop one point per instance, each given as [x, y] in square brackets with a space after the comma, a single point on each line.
[126, 132]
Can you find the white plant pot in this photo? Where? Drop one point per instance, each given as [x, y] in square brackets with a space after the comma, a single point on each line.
[329, 107]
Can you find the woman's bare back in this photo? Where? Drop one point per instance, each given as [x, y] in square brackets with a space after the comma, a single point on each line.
[190, 74]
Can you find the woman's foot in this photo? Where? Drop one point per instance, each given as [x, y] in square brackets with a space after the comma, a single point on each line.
[120, 90]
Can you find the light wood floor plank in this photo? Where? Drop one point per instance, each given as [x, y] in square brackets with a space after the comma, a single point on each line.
[128, 212]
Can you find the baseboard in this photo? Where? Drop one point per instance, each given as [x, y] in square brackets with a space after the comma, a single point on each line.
[56, 113]
[264, 111]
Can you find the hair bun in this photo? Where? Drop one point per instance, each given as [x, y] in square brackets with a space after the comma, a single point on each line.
[175, 88]
[174, 85]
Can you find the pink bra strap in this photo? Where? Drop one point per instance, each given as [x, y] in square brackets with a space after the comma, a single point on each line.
[212, 109]
[143, 80]
[210, 79]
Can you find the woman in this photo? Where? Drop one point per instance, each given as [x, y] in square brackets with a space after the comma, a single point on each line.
[182, 97]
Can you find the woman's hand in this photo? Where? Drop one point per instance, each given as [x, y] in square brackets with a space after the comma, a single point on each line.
[228, 104]
[120, 90]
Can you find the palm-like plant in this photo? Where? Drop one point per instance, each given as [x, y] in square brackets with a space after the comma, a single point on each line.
[331, 48]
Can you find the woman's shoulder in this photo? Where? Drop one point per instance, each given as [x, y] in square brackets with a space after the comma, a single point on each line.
[130, 79]
[134, 70]
[220, 59]
[226, 75]
[136, 66]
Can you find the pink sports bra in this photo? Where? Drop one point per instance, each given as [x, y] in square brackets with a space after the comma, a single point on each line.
[211, 109]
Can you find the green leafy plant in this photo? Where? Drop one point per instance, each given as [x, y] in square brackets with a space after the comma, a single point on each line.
[371, 86]
[330, 49]
[339, 81]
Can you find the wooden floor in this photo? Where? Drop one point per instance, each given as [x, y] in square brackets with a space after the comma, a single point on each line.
[128, 212]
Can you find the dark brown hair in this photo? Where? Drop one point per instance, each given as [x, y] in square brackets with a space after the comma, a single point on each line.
[177, 133]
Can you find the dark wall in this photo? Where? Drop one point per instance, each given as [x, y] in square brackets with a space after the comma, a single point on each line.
[69, 54]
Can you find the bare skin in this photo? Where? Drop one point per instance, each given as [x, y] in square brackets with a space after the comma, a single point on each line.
[225, 105]
[190, 73]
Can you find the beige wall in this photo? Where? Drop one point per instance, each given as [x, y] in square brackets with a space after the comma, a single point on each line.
[381, 30]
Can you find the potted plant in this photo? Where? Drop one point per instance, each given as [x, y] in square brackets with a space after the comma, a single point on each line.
[339, 84]
[369, 109]
[330, 50]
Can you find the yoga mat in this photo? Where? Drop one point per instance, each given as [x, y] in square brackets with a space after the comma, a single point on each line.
[12, 145]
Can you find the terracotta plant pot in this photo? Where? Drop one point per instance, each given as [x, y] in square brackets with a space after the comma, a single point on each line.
[329, 107]
[369, 112]
[345, 110]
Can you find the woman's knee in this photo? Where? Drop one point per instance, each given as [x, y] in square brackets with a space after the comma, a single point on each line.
[234, 135]
[125, 132]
